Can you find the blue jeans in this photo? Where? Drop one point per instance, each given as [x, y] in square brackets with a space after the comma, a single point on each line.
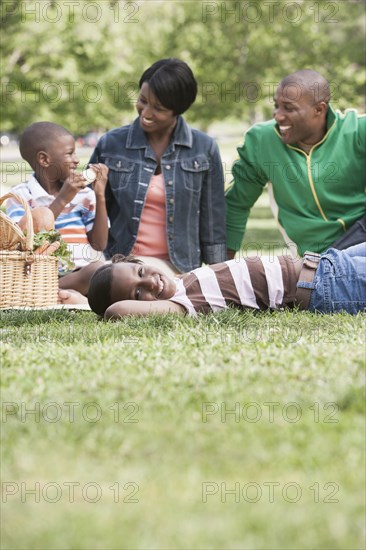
[340, 281]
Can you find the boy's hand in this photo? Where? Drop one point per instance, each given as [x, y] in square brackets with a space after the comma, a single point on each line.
[71, 186]
[100, 182]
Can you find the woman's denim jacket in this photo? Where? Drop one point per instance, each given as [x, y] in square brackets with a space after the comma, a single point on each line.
[194, 190]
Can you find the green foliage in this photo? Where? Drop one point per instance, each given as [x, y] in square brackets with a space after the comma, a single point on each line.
[78, 63]
[62, 253]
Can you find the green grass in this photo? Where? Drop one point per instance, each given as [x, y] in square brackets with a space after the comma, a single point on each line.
[143, 405]
[142, 402]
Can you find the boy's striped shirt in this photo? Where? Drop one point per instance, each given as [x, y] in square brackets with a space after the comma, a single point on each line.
[74, 222]
[258, 283]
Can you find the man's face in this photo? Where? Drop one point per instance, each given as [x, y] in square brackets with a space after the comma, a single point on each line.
[298, 118]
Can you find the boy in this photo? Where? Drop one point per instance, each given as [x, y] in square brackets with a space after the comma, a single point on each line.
[80, 212]
[328, 283]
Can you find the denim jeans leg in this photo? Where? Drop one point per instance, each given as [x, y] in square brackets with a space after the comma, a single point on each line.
[340, 281]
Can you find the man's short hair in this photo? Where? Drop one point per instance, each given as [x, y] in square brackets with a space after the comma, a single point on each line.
[310, 83]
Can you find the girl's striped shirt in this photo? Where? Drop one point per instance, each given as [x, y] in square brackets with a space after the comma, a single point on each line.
[258, 283]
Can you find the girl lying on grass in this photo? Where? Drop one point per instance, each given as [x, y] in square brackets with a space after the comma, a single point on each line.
[327, 283]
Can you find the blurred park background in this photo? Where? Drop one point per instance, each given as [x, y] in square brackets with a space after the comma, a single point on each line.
[78, 63]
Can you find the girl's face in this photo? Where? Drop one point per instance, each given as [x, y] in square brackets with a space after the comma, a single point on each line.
[140, 282]
[154, 117]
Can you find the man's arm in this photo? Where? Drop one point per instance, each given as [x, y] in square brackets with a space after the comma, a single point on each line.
[141, 309]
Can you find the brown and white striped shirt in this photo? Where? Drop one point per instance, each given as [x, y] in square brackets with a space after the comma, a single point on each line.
[258, 283]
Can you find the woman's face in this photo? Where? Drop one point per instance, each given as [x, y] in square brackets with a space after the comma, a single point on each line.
[154, 117]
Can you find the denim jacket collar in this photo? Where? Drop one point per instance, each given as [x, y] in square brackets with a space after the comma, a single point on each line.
[137, 139]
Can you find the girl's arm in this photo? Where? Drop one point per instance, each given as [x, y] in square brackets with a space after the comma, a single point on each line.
[133, 307]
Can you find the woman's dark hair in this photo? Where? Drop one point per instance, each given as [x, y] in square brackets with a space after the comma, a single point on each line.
[99, 293]
[172, 82]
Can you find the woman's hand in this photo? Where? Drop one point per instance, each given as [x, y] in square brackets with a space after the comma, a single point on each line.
[101, 180]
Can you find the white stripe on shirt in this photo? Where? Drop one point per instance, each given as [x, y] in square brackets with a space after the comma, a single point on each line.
[244, 288]
[210, 288]
[273, 272]
[180, 297]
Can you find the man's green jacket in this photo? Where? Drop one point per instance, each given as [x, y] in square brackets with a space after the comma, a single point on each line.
[319, 195]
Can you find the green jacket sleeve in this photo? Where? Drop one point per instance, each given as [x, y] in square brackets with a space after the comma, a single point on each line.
[362, 132]
[247, 186]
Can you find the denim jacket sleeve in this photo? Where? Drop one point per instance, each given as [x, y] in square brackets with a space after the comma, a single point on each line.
[212, 214]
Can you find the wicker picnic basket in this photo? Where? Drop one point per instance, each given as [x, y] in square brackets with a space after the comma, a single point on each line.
[26, 279]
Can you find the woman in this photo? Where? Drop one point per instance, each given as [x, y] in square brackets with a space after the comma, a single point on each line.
[165, 195]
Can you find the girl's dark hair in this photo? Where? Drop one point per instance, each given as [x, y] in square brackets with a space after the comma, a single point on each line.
[172, 82]
[99, 294]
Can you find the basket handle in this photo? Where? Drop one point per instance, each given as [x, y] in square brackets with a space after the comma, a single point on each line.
[29, 237]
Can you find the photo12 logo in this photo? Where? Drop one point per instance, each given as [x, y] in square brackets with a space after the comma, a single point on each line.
[124, 93]
[268, 411]
[69, 411]
[69, 491]
[269, 491]
[270, 11]
[70, 10]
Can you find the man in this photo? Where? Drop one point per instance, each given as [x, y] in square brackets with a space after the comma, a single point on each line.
[314, 161]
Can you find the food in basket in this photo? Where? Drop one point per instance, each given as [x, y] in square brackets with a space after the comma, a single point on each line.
[43, 219]
[47, 240]
[28, 279]
[51, 248]
[51, 242]
[42, 248]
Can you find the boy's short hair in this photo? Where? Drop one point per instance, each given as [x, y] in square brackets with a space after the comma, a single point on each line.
[38, 137]
[172, 82]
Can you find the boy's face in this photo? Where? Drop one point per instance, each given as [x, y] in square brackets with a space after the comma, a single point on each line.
[62, 158]
[140, 282]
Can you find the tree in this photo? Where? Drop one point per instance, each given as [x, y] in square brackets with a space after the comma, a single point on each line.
[78, 63]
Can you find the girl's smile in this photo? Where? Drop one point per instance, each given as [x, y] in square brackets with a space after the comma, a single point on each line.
[131, 281]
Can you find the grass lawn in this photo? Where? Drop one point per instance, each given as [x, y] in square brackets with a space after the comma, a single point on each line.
[239, 431]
